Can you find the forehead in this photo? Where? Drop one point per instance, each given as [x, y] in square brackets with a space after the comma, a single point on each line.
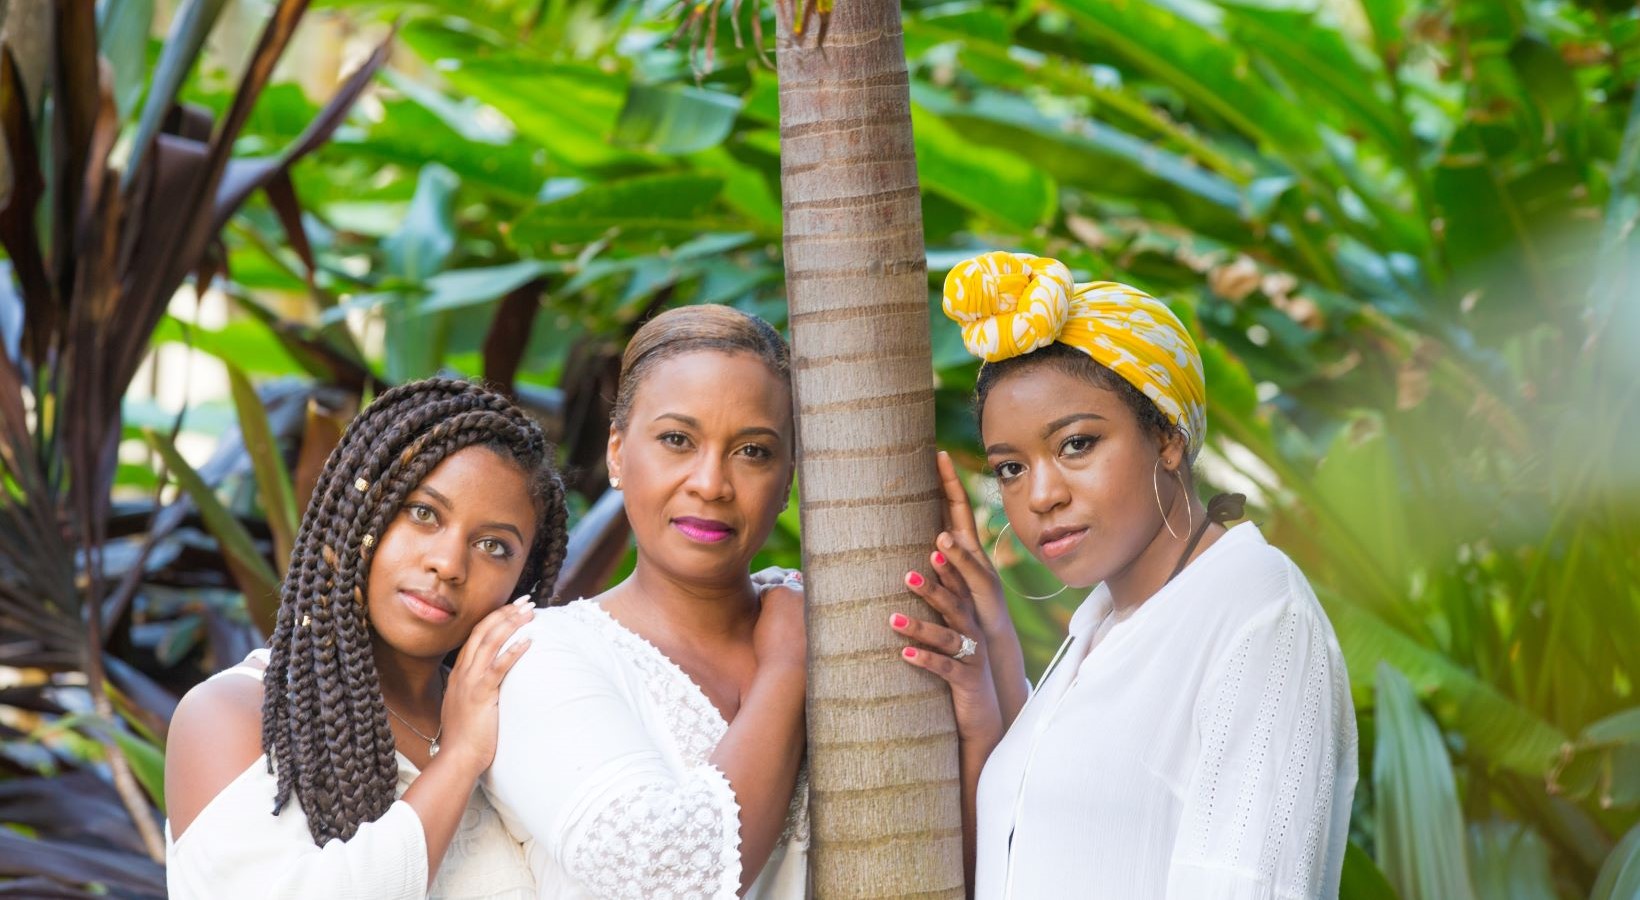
[478, 478]
[1023, 403]
[713, 386]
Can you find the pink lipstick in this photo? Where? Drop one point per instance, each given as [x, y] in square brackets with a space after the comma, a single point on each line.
[706, 531]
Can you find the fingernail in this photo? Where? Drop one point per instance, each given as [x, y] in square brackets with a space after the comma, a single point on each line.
[939, 558]
[914, 579]
[909, 653]
[522, 600]
[944, 540]
[898, 621]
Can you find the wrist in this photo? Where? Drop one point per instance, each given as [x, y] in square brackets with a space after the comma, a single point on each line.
[459, 762]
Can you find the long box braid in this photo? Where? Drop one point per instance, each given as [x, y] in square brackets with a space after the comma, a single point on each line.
[324, 725]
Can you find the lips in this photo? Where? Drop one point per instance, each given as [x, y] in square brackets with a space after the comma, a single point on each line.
[705, 531]
[1056, 542]
[428, 606]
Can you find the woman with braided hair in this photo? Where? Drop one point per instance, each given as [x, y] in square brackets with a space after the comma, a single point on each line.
[1193, 738]
[341, 761]
[678, 776]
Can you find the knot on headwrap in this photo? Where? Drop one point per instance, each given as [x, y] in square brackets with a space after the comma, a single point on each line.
[1009, 304]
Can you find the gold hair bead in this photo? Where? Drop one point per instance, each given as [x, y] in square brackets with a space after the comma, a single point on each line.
[367, 541]
[306, 620]
[361, 485]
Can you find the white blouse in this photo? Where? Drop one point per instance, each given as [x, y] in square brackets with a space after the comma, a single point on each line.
[1205, 749]
[603, 771]
[236, 847]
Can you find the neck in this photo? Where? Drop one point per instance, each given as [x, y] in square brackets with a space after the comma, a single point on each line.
[413, 686]
[1142, 577]
[709, 611]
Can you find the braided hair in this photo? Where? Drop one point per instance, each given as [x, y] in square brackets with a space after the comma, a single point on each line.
[324, 723]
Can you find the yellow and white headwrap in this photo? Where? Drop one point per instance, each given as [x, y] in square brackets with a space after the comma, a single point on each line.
[1009, 304]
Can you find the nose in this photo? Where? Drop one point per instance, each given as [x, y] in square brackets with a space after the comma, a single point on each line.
[1048, 490]
[709, 478]
[445, 556]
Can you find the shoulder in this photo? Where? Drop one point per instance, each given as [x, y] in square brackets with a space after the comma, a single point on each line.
[215, 735]
[569, 641]
[1251, 593]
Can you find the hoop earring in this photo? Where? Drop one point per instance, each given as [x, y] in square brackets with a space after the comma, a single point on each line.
[997, 543]
[1190, 515]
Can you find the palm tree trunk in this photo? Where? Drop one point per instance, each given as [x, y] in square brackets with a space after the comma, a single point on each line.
[882, 744]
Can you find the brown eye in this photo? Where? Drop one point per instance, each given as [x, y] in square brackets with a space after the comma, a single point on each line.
[1077, 444]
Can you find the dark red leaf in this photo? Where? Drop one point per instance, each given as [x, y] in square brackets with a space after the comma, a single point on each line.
[17, 219]
[509, 334]
[74, 105]
[79, 864]
[282, 196]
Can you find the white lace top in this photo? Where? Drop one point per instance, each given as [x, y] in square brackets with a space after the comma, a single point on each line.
[1205, 749]
[603, 771]
[235, 847]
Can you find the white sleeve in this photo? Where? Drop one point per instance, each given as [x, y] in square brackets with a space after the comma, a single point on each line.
[238, 849]
[1266, 810]
[577, 771]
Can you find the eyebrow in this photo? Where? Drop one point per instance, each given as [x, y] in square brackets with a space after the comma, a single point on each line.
[744, 432]
[1062, 421]
[445, 502]
[1047, 431]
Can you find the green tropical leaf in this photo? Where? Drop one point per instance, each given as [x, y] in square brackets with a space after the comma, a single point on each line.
[272, 478]
[1496, 728]
[986, 180]
[255, 577]
[1361, 878]
[122, 38]
[1620, 876]
[1509, 862]
[1420, 829]
[646, 205]
[674, 119]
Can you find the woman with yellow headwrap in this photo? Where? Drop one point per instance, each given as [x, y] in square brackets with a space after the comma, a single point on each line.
[1193, 738]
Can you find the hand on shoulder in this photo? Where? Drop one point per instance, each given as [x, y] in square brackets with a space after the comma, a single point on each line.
[215, 735]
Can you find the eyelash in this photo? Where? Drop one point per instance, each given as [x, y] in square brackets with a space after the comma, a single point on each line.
[676, 440]
[999, 470]
[503, 549]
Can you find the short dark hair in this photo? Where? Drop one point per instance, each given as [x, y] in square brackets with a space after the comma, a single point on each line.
[688, 329]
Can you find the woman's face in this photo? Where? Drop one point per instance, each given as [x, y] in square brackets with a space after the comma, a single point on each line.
[453, 553]
[1074, 468]
[705, 462]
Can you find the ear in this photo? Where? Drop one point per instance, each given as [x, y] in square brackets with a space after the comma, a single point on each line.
[1173, 450]
[612, 455]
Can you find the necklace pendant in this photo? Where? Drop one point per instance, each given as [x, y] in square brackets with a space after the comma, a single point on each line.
[432, 748]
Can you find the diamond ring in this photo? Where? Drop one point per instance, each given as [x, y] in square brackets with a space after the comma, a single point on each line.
[969, 645]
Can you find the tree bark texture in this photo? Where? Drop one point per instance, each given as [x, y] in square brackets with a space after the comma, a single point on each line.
[885, 805]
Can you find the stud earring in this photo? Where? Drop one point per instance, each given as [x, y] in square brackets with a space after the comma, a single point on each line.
[615, 482]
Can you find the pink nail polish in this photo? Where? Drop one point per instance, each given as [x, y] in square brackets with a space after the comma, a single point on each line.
[914, 579]
[898, 621]
[939, 558]
[909, 652]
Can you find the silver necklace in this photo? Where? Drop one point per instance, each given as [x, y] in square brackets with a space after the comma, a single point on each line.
[432, 742]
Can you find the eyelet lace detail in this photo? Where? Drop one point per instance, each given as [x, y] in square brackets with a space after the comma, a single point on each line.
[669, 841]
